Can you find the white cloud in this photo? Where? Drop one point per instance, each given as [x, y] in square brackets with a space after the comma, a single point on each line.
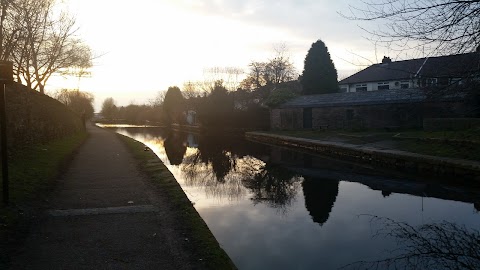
[150, 45]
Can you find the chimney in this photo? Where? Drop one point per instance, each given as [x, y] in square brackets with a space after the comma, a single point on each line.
[386, 60]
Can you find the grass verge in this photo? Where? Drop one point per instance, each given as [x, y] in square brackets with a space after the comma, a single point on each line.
[441, 149]
[32, 174]
[201, 238]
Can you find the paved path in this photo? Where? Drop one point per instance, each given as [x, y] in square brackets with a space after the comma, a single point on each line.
[104, 216]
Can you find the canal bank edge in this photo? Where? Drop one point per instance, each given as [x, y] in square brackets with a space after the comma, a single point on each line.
[200, 239]
[392, 159]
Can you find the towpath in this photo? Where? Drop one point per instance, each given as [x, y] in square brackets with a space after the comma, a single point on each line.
[104, 215]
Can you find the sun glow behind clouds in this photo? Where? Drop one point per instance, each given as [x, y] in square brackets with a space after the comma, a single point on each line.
[146, 46]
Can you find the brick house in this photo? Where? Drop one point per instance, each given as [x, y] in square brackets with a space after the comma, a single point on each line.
[391, 94]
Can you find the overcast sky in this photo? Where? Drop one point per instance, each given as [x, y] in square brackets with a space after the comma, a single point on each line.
[145, 46]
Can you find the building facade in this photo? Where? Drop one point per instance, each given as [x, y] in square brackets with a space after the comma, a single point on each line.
[442, 71]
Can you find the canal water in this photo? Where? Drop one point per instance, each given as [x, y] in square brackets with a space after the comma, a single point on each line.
[274, 208]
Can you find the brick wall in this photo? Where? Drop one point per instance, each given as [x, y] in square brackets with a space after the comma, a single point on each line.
[445, 109]
[367, 116]
[372, 117]
[286, 118]
[34, 118]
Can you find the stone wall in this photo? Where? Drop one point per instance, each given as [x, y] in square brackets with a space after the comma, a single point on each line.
[34, 118]
[460, 170]
[369, 117]
[286, 118]
[351, 117]
[445, 109]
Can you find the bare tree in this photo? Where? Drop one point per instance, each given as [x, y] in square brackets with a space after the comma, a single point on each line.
[277, 70]
[109, 108]
[191, 90]
[9, 29]
[281, 68]
[230, 76]
[442, 26]
[41, 41]
[255, 78]
[443, 245]
[157, 101]
[78, 101]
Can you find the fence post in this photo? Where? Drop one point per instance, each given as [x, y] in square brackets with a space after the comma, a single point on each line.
[6, 76]
[3, 145]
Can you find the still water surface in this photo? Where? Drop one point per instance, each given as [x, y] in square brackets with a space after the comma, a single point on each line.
[273, 208]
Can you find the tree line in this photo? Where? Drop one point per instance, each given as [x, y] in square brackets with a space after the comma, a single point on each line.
[222, 101]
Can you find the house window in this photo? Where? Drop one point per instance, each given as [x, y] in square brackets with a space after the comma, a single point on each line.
[361, 88]
[343, 89]
[431, 81]
[404, 84]
[383, 86]
[456, 81]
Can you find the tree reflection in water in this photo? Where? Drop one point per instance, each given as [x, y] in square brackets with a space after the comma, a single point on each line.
[215, 153]
[320, 196]
[225, 170]
[273, 185]
[201, 174]
[443, 245]
[175, 147]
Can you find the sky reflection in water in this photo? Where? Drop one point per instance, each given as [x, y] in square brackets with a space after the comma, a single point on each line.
[272, 208]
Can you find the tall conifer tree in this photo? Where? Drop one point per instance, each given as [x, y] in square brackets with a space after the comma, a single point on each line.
[173, 104]
[319, 74]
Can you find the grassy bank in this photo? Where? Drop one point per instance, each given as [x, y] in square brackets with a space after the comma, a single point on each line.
[32, 174]
[200, 237]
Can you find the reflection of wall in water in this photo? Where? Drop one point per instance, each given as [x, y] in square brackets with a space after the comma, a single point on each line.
[287, 157]
[318, 166]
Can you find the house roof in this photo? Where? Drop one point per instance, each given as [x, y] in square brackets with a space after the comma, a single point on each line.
[451, 66]
[357, 98]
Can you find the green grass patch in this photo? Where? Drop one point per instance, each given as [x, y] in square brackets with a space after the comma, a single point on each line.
[467, 135]
[32, 174]
[441, 149]
[33, 171]
[201, 238]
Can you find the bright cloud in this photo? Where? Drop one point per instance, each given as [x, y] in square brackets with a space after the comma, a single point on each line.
[148, 45]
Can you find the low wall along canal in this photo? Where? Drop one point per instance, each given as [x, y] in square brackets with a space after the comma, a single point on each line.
[393, 159]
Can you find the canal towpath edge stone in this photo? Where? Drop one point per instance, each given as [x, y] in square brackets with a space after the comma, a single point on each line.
[390, 158]
[104, 215]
